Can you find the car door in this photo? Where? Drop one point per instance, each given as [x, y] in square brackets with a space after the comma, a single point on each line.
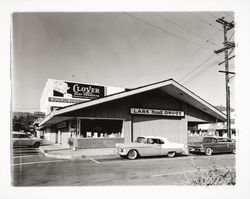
[164, 147]
[221, 145]
[157, 146]
[152, 147]
[230, 145]
[23, 140]
[18, 141]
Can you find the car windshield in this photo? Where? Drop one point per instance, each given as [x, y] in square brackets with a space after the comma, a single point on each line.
[141, 140]
[209, 140]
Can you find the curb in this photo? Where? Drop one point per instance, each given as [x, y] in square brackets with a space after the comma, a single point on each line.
[58, 156]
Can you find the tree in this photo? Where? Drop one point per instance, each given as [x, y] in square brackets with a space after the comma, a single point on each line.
[22, 121]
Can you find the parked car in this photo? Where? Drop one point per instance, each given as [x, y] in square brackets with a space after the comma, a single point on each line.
[149, 146]
[23, 139]
[210, 145]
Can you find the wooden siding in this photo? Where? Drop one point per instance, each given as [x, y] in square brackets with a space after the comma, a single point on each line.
[91, 143]
[173, 129]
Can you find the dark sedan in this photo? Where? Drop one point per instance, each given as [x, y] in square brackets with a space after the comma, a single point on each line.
[211, 145]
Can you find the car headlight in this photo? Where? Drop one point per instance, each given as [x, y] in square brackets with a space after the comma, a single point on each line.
[120, 150]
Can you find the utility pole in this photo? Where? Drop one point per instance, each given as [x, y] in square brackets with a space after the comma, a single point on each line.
[227, 45]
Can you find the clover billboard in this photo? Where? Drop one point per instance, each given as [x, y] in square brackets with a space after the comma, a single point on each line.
[77, 90]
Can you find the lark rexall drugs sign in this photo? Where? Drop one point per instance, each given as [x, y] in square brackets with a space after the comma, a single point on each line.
[141, 111]
[77, 90]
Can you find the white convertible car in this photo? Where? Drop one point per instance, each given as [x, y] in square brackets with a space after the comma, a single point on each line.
[149, 146]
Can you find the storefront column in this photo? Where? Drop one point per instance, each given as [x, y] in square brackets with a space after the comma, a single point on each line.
[78, 127]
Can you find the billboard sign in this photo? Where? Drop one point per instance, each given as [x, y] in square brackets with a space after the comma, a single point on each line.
[77, 90]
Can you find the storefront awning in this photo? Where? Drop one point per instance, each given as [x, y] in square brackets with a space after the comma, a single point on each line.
[56, 119]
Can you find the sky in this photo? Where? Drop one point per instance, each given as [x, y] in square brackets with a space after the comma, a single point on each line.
[127, 49]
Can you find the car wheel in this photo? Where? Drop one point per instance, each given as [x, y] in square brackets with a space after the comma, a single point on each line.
[36, 144]
[209, 151]
[171, 154]
[132, 154]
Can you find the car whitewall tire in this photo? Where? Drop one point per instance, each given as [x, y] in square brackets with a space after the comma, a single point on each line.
[36, 144]
[209, 151]
[171, 154]
[132, 154]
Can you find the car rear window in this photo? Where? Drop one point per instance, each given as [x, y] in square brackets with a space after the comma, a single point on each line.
[157, 141]
[213, 140]
[224, 140]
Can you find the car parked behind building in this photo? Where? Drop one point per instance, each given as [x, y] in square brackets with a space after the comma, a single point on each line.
[210, 145]
[23, 139]
[149, 146]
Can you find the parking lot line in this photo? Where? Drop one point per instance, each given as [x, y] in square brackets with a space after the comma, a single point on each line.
[25, 151]
[25, 156]
[41, 162]
[95, 161]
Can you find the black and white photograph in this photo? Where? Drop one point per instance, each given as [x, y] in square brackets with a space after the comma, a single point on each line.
[125, 98]
[113, 92]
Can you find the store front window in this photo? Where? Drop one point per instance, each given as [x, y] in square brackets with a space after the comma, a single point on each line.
[101, 128]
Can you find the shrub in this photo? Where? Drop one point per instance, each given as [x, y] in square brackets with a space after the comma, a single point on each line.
[215, 176]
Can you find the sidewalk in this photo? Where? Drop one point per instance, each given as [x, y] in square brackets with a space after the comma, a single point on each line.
[59, 151]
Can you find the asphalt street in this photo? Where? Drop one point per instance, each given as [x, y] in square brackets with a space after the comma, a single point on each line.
[31, 168]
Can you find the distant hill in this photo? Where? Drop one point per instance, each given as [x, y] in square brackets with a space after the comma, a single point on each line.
[223, 108]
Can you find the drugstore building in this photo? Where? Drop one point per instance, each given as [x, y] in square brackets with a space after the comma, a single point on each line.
[164, 108]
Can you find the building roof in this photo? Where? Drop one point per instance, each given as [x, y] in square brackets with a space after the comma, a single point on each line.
[169, 86]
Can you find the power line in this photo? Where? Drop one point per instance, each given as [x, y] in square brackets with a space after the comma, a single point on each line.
[163, 30]
[196, 51]
[204, 21]
[231, 35]
[205, 69]
[228, 15]
[211, 15]
[210, 57]
[180, 26]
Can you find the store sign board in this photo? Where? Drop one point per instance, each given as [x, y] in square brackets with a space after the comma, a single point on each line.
[142, 111]
[63, 100]
[77, 90]
[39, 114]
[61, 125]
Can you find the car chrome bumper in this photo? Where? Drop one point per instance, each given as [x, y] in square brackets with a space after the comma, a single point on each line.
[117, 151]
[192, 149]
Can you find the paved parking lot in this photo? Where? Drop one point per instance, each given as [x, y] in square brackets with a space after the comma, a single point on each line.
[31, 168]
